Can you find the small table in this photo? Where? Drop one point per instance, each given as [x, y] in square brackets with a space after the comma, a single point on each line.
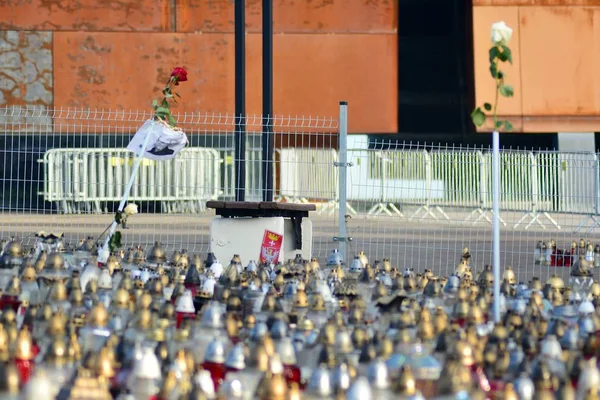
[295, 213]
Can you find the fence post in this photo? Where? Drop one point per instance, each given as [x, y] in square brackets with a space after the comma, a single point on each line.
[496, 221]
[428, 178]
[483, 194]
[596, 186]
[535, 197]
[343, 165]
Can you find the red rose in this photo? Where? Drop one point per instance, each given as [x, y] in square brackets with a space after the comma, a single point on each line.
[179, 74]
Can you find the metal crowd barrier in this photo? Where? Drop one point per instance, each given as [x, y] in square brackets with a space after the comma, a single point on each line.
[228, 180]
[386, 178]
[534, 183]
[308, 175]
[82, 179]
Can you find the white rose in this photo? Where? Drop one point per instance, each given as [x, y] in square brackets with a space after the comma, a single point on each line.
[501, 33]
[130, 209]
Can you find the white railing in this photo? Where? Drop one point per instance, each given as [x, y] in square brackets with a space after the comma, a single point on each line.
[434, 181]
[82, 179]
[308, 174]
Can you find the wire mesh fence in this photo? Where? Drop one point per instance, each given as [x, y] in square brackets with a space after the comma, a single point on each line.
[66, 170]
[416, 204]
[422, 204]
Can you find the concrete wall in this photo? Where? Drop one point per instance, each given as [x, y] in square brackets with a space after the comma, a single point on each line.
[117, 54]
[556, 69]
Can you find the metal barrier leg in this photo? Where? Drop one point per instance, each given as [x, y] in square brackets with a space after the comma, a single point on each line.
[483, 214]
[593, 216]
[333, 205]
[385, 208]
[378, 209]
[427, 210]
[535, 218]
[472, 213]
[294, 199]
[395, 209]
[595, 223]
[330, 205]
[350, 208]
[439, 209]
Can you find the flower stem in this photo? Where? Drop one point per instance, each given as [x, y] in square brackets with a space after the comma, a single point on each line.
[497, 80]
[102, 234]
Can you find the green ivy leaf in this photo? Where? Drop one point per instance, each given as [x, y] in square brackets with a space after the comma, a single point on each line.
[163, 110]
[494, 53]
[478, 117]
[115, 242]
[154, 104]
[508, 126]
[164, 103]
[493, 69]
[507, 53]
[487, 106]
[506, 91]
[499, 124]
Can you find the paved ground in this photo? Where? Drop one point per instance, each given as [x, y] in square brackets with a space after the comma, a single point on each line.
[417, 243]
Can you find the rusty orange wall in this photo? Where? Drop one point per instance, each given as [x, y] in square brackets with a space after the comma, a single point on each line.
[556, 69]
[90, 53]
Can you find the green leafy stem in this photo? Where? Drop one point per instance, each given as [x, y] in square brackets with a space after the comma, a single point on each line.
[162, 110]
[115, 242]
[499, 53]
[119, 217]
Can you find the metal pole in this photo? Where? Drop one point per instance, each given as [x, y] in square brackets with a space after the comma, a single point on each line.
[496, 221]
[596, 187]
[343, 165]
[267, 89]
[104, 251]
[240, 99]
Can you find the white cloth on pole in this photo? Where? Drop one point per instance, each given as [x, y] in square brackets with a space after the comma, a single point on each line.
[164, 142]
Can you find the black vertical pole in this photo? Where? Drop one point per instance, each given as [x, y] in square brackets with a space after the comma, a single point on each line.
[240, 99]
[267, 92]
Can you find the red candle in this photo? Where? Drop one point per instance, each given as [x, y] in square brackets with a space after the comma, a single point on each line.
[461, 322]
[35, 349]
[497, 389]
[24, 355]
[9, 301]
[25, 368]
[182, 316]
[184, 308]
[292, 374]
[217, 372]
